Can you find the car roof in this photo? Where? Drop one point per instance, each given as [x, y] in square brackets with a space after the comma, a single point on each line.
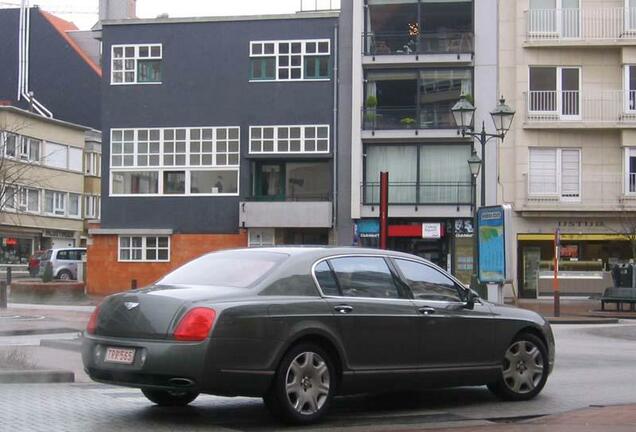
[326, 251]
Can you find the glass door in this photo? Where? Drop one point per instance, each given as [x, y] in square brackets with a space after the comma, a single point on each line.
[630, 15]
[570, 93]
[531, 259]
[570, 19]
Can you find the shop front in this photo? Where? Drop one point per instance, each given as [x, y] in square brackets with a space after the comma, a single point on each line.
[447, 243]
[588, 251]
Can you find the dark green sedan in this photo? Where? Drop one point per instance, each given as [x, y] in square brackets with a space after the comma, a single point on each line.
[299, 325]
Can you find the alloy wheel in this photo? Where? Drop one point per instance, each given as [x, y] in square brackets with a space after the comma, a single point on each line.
[523, 367]
[307, 383]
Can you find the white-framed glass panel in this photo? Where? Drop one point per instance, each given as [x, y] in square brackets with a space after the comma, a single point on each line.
[554, 18]
[122, 148]
[30, 200]
[135, 183]
[9, 198]
[630, 170]
[260, 237]
[75, 159]
[56, 155]
[74, 205]
[630, 88]
[289, 139]
[91, 206]
[290, 60]
[148, 147]
[26, 148]
[555, 172]
[92, 164]
[136, 64]
[217, 182]
[55, 203]
[400, 161]
[10, 142]
[144, 248]
[630, 15]
[555, 91]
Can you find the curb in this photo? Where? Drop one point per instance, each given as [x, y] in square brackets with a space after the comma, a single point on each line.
[559, 320]
[27, 332]
[63, 344]
[38, 376]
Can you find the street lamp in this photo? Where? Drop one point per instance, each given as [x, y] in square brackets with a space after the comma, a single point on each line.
[474, 164]
[502, 116]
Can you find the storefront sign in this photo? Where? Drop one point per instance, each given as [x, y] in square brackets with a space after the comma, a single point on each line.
[405, 230]
[368, 228]
[432, 230]
[580, 223]
[58, 233]
[463, 228]
[494, 243]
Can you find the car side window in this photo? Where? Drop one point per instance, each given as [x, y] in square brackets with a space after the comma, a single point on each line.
[326, 279]
[63, 255]
[364, 277]
[427, 283]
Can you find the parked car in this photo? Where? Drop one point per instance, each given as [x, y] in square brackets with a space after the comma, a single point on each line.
[34, 262]
[298, 325]
[64, 262]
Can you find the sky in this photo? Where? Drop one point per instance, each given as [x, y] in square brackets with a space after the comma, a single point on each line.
[84, 12]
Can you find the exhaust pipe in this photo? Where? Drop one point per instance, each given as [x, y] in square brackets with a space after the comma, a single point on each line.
[181, 382]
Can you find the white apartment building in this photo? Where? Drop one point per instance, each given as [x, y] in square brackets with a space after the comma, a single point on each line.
[569, 161]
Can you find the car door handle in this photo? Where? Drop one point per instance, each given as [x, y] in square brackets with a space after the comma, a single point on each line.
[344, 309]
[426, 310]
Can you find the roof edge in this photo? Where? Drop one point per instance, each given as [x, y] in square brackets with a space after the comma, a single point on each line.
[181, 20]
[20, 111]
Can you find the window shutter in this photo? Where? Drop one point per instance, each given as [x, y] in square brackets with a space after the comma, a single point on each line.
[543, 171]
[570, 173]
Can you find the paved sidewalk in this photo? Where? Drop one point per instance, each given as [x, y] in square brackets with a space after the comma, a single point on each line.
[572, 308]
[595, 419]
[22, 319]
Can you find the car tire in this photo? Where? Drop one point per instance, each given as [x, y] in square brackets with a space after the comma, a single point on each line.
[65, 275]
[303, 386]
[524, 370]
[169, 398]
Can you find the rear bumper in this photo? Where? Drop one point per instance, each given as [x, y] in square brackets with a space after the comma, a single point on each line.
[171, 365]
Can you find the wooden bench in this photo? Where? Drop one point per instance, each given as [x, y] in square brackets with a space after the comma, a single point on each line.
[620, 296]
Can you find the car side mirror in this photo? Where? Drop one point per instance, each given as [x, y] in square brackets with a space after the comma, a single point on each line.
[471, 298]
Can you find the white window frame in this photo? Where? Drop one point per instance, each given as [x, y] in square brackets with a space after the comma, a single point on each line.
[559, 177]
[136, 58]
[255, 237]
[92, 164]
[278, 55]
[303, 139]
[77, 215]
[629, 152]
[558, 21]
[91, 206]
[559, 93]
[188, 167]
[144, 248]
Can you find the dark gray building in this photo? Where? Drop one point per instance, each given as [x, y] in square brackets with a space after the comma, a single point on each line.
[219, 132]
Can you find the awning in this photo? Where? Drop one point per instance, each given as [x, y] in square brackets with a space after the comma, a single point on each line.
[572, 237]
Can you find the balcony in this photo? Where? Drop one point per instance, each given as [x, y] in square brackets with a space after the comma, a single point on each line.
[286, 214]
[402, 122]
[581, 27]
[381, 48]
[423, 193]
[576, 109]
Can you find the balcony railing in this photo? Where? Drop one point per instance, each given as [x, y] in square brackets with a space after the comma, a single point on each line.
[426, 193]
[406, 118]
[612, 106]
[585, 24]
[376, 44]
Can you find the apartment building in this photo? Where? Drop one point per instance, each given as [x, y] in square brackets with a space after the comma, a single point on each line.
[410, 61]
[44, 198]
[569, 162]
[219, 133]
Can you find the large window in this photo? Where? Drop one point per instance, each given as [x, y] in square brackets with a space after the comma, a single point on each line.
[418, 174]
[290, 60]
[175, 161]
[23, 199]
[289, 139]
[555, 172]
[554, 18]
[415, 99]
[20, 147]
[63, 156]
[630, 170]
[144, 248]
[136, 64]
[555, 91]
[294, 181]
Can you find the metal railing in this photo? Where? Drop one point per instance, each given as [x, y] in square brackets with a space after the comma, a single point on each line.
[376, 44]
[396, 118]
[612, 106]
[423, 193]
[586, 24]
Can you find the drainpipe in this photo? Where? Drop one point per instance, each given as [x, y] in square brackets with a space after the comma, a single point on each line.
[334, 205]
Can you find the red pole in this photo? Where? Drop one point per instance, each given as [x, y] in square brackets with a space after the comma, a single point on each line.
[384, 209]
[555, 281]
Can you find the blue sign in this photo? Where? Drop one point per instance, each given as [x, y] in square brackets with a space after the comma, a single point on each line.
[492, 245]
[369, 228]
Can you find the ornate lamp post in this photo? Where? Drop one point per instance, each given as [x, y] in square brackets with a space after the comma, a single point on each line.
[474, 164]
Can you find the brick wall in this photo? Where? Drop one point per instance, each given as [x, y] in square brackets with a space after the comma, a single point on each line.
[105, 275]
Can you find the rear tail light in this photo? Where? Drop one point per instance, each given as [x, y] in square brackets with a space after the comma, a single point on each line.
[92, 321]
[195, 325]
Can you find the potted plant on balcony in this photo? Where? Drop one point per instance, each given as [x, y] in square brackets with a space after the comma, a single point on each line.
[370, 114]
[407, 122]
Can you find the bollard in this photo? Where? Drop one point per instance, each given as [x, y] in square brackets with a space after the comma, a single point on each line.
[3, 295]
[133, 284]
[9, 275]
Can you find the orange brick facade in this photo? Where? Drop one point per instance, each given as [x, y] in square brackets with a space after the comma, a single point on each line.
[105, 275]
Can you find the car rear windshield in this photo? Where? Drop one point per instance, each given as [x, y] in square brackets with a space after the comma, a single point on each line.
[239, 269]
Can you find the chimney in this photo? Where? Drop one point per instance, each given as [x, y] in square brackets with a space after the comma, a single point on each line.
[117, 9]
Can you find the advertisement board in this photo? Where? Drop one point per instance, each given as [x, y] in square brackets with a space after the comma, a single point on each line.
[495, 244]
